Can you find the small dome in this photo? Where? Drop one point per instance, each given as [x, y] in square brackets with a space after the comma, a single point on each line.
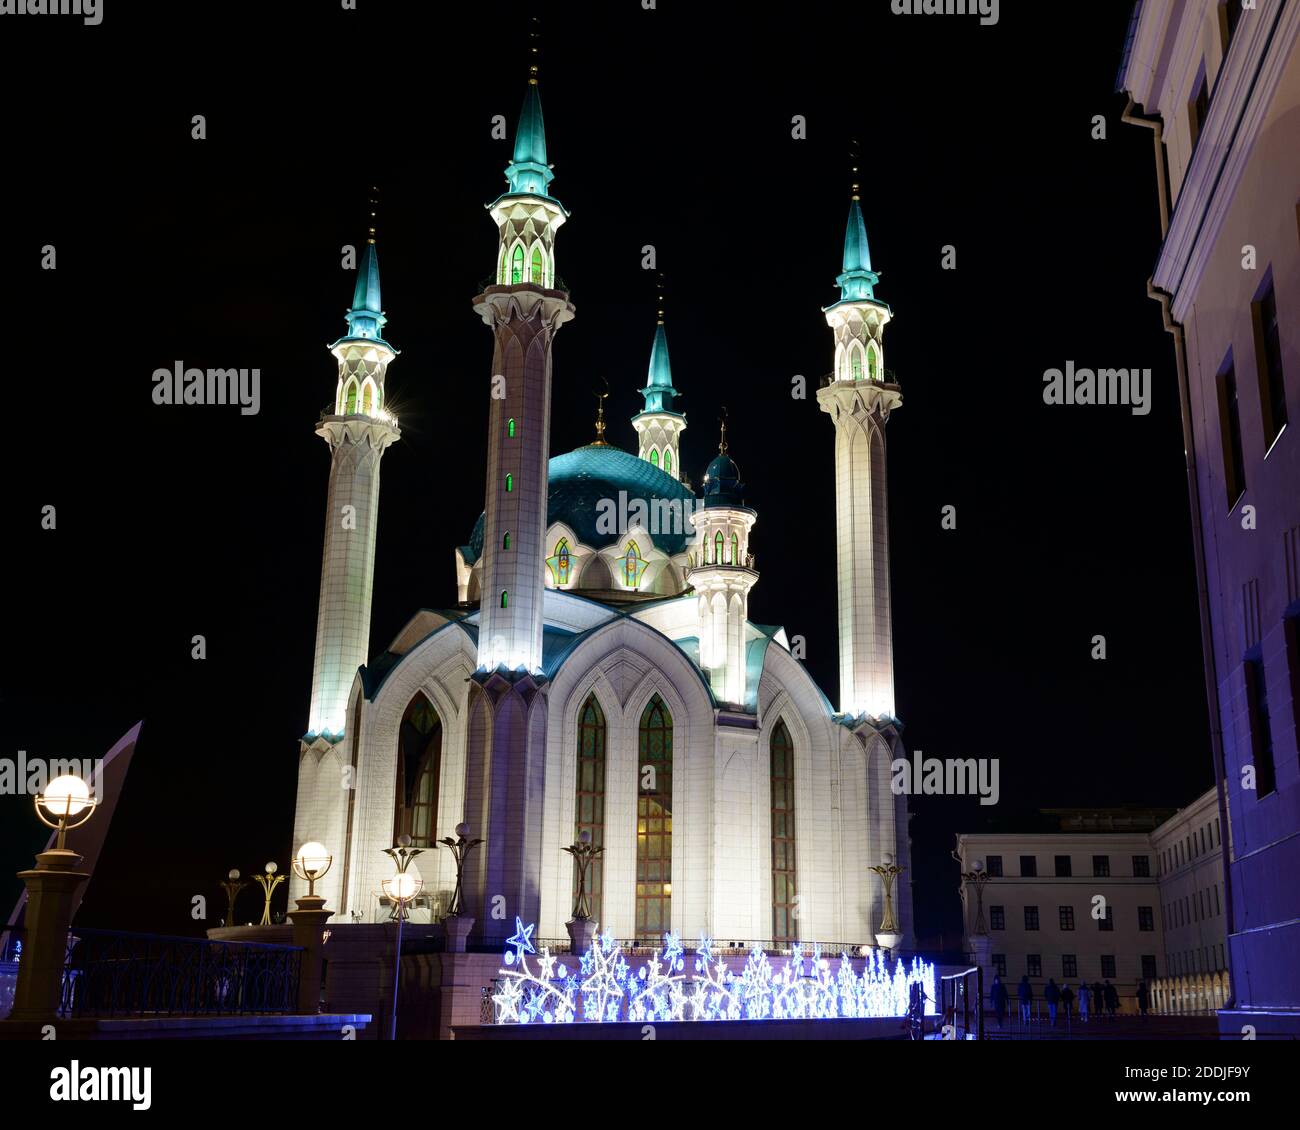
[722, 485]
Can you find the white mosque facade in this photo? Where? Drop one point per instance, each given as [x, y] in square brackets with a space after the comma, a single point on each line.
[599, 673]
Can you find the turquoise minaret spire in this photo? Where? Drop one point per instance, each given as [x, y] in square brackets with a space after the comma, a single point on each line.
[528, 171]
[858, 279]
[659, 426]
[366, 318]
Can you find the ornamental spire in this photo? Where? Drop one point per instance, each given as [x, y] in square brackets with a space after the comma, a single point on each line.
[857, 279]
[528, 171]
[366, 318]
[659, 391]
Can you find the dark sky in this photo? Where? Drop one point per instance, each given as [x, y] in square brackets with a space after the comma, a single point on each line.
[670, 127]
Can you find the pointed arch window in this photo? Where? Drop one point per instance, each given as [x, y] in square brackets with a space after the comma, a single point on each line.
[634, 566]
[505, 541]
[654, 821]
[510, 482]
[536, 275]
[351, 397]
[501, 268]
[510, 428]
[855, 358]
[419, 771]
[517, 265]
[366, 398]
[560, 563]
[784, 904]
[718, 542]
[668, 460]
[873, 367]
[735, 549]
[590, 810]
[505, 599]
[654, 457]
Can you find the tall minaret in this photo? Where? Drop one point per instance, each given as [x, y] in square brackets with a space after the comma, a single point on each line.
[722, 574]
[658, 427]
[524, 308]
[859, 398]
[358, 431]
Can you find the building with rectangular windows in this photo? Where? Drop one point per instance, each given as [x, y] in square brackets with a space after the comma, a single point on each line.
[1120, 896]
[1218, 84]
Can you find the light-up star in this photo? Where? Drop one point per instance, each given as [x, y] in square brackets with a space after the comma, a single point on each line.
[705, 948]
[545, 965]
[522, 939]
[507, 1000]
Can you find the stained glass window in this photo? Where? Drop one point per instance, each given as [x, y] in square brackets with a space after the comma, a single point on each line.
[419, 767]
[590, 814]
[559, 562]
[633, 566]
[654, 822]
[517, 266]
[784, 904]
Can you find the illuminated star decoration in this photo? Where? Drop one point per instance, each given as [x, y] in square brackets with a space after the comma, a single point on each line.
[522, 941]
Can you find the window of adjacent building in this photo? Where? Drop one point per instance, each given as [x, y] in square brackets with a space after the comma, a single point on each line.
[1101, 866]
[1062, 866]
[1108, 965]
[1031, 918]
[1268, 359]
[1149, 967]
[419, 767]
[589, 815]
[1069, 965]
[1199, 106]
[997, 917]
[993, 865]
[1234, 463]
[1066, 915]
[1029, 866]
[999, 961]
[654, 822]
[783, 871]
[1146, 918]
[1034, 964]
[1141, 866]
[1107, 920]
[1261, 734]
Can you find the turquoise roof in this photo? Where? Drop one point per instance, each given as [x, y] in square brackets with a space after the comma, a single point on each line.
[659, 391]
[366, 319]
[858, 279]
[528, 171]
[580, 480]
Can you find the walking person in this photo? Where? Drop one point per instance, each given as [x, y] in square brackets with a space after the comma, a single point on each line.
[1144, 997]
[1084, 994]
[1053, 996]
[998, 999]
[1026, 994]
[1067, 1003]
[1111, 996]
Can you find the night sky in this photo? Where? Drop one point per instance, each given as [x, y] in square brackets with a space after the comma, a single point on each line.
[669, 127]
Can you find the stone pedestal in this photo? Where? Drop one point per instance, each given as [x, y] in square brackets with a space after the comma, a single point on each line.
[309, 932]
[582, 932]
[50, 888]
[457, 927]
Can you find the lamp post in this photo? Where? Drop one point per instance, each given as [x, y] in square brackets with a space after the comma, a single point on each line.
[311, 863]
[581, 928]
[979, 877]
[232, 884]
[888, 936]
[269, 880]
[65, 804]
[457, 924]
[400, 887]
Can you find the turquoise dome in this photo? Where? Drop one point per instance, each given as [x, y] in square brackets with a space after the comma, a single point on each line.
[580, 479]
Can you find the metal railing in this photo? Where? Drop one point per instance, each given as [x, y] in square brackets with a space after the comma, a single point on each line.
[961, 997]
[109, 973]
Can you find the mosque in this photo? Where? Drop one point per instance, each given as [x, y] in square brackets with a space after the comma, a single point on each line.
[601, 675]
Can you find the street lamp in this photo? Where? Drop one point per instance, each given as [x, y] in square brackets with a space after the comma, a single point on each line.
[400, 887]
[455, 923]
[65, 804]
[269, 880]
[311, 862]
[979, 877]
[581, 928]
[888, 935]
[232, 884]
